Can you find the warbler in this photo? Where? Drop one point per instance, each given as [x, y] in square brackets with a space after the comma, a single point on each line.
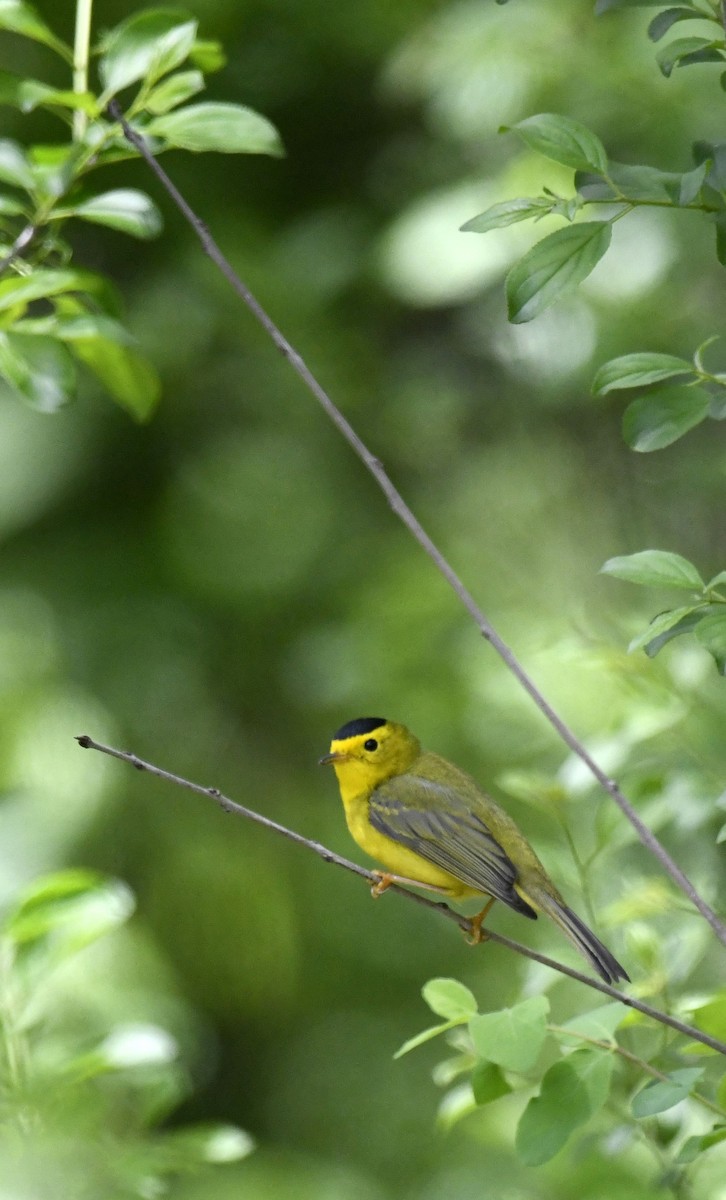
[430, 824]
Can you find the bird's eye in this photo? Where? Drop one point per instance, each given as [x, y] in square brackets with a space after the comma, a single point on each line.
[370, 744]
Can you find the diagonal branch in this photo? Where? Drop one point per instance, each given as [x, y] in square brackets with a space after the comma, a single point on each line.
[463, 922]
[404, 513]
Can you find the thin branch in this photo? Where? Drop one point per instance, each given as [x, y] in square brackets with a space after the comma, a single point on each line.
[464, 923]
[404, 513]
[21, 243]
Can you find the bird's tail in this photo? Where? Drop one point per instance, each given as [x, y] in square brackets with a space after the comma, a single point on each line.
[582, 938]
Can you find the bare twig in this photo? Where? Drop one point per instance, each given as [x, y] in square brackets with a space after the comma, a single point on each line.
[404, 513]
[459, 919]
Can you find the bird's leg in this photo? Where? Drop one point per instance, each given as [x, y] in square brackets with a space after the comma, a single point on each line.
[476, 933]
[385, 880]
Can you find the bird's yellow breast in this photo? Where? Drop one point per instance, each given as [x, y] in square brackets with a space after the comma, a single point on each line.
[397, 859]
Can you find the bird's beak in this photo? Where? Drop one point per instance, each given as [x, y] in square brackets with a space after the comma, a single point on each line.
[327, 759]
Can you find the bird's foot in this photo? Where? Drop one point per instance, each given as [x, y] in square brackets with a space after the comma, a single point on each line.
[384, 881]
[476, 934]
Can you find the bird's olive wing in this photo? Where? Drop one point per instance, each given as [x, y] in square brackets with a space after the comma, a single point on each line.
[436, 823]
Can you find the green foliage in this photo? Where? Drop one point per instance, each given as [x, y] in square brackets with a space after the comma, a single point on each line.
[500, 1051]
[66, 1090]
[156, 60]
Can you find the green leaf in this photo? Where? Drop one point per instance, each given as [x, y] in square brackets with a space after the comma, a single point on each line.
[550, 1118]
[227, 128]
[34, 94]
[711, 633]
[602, 6]
[563, 140]
[720, 223]
[21, 18]
[716, 581]
[14, 166]
[488, 1083]
[662, 417]
[174, 91]
[711, 1017]
[449, 999]
[508, 213]
[75, 328]
[145, 46]
[663, 623]
[599, 1023]
[512, 1037]
[663, 1094]
[686, 625]
[10, 207]
[23, 289]
[67, 910]
[208, 56]
[39, 369]
[594, 1069]
[664, 21]
[683, 51]
[691, 183]
[554, 266]
[693, 1146]
[128, 376]
[125, 209]
[636, 370]
[205, 1144]
[655, 568]
[426, 1035]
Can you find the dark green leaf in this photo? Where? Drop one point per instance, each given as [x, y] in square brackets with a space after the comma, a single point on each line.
[553, 267]
[661, 624]
[39, 369]
[14, 166]
[660, 418]
[550, 1118]
[228, 128]
[145, 46]
[686, 625]
[602, 6]
[720, 220]
[682, 51]
[174, 91]
[693, 1146]
[636, 370]
[563, 140]
[512, 1037]
[126, 209]
[130, 378]
[449, 999]
[507, 213]
[664, 21]
[663, 1094]
[711, 633]
[488, 1083]
[21, 18]
[655, 568]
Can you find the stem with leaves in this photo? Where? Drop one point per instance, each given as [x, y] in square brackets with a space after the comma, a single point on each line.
[81, 49]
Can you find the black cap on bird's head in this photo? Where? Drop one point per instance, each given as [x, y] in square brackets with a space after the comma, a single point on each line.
[358, 726]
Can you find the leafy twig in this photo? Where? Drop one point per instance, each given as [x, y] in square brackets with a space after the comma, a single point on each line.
[404, 513]
[463, 922]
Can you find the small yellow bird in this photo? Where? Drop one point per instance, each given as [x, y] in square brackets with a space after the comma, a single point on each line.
[432, 826]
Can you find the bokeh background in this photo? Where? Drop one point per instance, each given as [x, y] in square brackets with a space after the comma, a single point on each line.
[221, 589]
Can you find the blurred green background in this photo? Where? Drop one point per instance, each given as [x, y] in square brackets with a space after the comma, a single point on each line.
[223, 588]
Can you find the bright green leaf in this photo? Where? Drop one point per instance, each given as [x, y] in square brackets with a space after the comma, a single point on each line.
[711, 1017]
[14, 166]
[711, 633]
[10, 207]
[512, 1037]
[130, 378]
[564, 141]
[34, 94]
[655, 568]
[663, 1094]
[683, 50]
[174, 91]
[125, 209]
[39, 369]
[550, 1118]
[426, 1035]
[145, 46]
[21, 18]
[661, 624]
[449, 999]
[716, 581]
[208, 56]
[636, 370]
[660, 418]
[227, 128]
[554, 266]
[67, 910]
[507, 213]
[23, 289]
[599, 1023]
[488, 1083]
